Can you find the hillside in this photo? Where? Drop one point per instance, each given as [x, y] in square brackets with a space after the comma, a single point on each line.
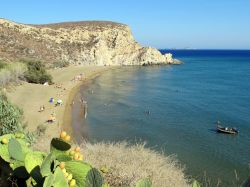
[86, 42]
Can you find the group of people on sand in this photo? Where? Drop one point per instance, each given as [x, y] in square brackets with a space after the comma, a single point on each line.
[79, 77]
[52, 117]
[59, 102]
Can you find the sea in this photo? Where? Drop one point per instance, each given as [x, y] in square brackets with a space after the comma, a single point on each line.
[174, 109]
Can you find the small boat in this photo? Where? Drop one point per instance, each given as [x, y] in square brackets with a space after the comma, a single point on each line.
[227, 130]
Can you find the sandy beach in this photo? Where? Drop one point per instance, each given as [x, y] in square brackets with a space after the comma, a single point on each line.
[30, 97]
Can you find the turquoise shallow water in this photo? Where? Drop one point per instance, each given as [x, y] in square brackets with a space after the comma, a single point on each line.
[174, 109]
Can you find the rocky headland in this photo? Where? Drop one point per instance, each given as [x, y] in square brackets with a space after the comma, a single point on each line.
[98, 43]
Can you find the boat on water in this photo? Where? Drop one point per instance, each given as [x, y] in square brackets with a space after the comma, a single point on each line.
[227, 130]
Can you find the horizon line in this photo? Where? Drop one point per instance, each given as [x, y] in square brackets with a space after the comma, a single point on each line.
[193, 49]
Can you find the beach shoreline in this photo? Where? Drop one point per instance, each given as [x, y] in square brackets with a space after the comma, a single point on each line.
[67, 115]
[29, 97]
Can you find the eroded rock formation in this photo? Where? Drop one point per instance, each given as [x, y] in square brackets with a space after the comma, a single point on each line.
[88, 43]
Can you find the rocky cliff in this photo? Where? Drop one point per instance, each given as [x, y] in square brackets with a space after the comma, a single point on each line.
[88, 43]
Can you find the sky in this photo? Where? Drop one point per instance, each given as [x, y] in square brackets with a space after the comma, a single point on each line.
[198, 24]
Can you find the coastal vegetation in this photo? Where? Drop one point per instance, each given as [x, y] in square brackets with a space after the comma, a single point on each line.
[129, 163]
[11, 73]
[11, 117]
[30, 71]
[36, 73]
[63, 166]
[12, 121]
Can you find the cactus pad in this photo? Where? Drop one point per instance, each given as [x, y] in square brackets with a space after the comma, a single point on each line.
[144, 183]
[4, 152]
[60, 180]
[63, 157]
[49, 180]
[94, 178]
[196, 184]
[46, 165]
[19, 169]
[33, 159]
[79, 170]
[59, 144]
[15, 150]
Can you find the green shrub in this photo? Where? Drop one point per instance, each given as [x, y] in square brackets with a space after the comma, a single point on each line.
[34, 168]
[10, 117]
[2, 64]
[37, 73]
[40, 130]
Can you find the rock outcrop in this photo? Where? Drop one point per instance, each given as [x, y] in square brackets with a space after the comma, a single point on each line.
[88, 43]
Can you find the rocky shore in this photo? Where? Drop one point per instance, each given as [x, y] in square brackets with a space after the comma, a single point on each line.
[99, 43]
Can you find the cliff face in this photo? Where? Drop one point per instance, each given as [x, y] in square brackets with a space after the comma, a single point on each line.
[88, 43]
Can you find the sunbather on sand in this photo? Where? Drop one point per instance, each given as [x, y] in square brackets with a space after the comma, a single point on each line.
[51, 119]
[42, 108]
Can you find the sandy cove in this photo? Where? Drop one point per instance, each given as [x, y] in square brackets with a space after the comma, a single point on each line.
[29, 97]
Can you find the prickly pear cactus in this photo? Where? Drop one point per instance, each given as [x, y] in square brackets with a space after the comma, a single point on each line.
[7, 136]
[49, 180]
[32, 163]
[60, 180]
[33, 159]
[63, 157]
[55, 179]
[144, 183]
[4, 151]
[196, 184]
[15, 150]
[79, 170]
[19, 170]
[59, 145]
[46, 165]
[25, 146]
[105, 185]
[94, 178]
[57, 169]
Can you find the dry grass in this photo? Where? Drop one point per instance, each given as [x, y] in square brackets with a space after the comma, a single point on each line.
[12, 73]
[128, 163]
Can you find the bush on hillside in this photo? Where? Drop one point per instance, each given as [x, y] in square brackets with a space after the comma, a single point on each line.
[2, 64]
[10, 117]
[37, 73]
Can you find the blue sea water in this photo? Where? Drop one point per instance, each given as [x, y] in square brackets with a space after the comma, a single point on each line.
[174, 109]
